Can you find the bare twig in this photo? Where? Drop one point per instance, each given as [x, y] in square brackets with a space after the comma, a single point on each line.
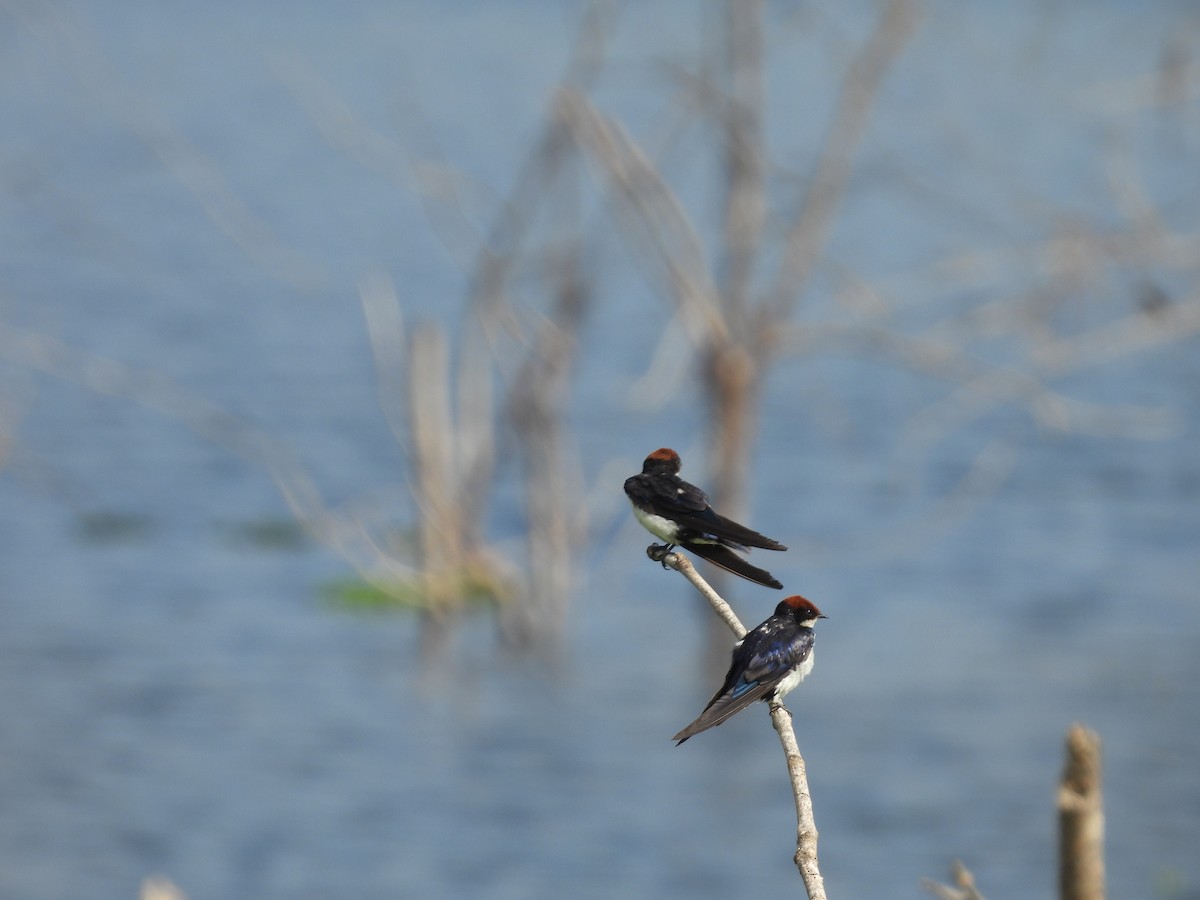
[659, 230]
[535, 409]
[354, 539]
[806, 826]
[963, 888]
[982, 386]
[228, 210]
[745, 163]
[431, 424]
[1081, 819]
[806, 237]
[683, 565]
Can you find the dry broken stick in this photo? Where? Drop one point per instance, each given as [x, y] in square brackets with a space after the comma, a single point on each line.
[1081, 819]
[806, 827]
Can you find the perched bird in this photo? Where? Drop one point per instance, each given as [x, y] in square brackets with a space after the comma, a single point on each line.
[679, 513]
[767, 664]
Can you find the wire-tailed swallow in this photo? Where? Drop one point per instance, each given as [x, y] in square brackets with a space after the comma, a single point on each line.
[679, 513]
[767, 663]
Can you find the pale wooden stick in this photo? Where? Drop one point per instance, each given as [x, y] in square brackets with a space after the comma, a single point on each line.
[683, 565]
[1081, 819]
[806, 824]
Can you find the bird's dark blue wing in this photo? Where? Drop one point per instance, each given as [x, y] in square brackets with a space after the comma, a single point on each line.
[673, 498]
[671, 494]
[763, 659]
[774, 652]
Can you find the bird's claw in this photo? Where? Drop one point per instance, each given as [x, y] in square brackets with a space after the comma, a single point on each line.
[659, 553]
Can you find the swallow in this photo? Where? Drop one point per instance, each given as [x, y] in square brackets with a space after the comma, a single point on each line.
[679, 513]
[767, 664]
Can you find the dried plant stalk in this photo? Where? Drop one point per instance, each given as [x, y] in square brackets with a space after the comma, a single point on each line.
[1081, 819]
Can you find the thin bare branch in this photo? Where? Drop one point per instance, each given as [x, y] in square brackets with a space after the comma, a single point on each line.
[658, 227]
[813, 221]
[535, 410]
[430, 427]
[1180, 320]
[1169, 85]
[385, 328]
[963, 889]
[499, 253]
[1128, 186]
[225, 207]
[967, 272]
[681, 564]
[1081, 819]
[665, 375]
[745, 196]
[806, 825]
[346, 535]
[476, 428]
[982, 386]
[338, 124]
[445, 192]
[1062, 356]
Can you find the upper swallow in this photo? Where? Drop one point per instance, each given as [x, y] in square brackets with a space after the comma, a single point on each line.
[679, 513]
[767, 664]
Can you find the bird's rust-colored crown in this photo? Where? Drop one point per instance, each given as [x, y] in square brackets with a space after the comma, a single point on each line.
[664, 459]
[803, 606]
